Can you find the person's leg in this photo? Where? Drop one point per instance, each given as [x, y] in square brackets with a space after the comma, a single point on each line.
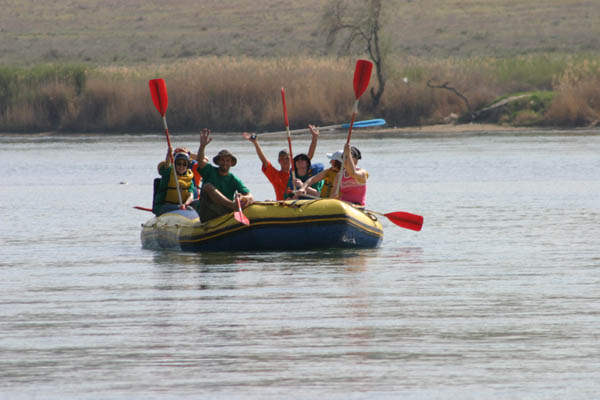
[208, 209]
[218, 198]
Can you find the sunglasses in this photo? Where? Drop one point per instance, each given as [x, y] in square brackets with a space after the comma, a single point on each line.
[183, 163]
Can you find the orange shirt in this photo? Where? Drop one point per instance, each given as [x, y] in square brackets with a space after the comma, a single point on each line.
[197, 178]
[279, 179]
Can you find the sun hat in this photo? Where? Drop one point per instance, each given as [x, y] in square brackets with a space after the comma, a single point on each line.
[336, 156]
[224, 153]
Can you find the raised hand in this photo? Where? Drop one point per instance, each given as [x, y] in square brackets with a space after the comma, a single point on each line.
[205, 137]
[249, 136]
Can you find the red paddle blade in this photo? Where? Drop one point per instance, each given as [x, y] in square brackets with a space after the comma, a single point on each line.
[362, 76]
[406, 220]
[284, 108]
[158, 90]
[239, 215]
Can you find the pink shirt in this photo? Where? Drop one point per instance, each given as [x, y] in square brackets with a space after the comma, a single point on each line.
[353, 191]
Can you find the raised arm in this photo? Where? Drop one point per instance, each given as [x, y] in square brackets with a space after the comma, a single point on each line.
[254, 140]
[306, 189]
[313, 144]
[204, 140]
[357, 173]
[168, 156]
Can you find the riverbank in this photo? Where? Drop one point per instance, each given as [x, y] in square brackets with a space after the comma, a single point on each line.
[408, 131]
[242, 94]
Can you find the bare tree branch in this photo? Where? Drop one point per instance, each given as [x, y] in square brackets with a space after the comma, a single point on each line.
[360, 31]
[456, 92]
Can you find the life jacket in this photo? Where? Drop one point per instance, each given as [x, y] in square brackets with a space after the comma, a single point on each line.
[167, 190]
[185, 181]
[328, 181]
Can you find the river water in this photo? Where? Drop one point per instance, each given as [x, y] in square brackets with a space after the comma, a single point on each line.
[498, 297]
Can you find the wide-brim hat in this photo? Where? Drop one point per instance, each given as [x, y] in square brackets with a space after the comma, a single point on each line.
[225, 153]
[336, 156]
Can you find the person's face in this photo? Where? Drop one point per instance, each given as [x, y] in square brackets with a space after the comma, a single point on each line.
[284, 161]
[336, 165]
[225, 162]
[301, 164]
[181, 166]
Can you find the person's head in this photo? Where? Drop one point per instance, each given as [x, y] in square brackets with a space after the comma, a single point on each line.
[336, 159]
[284, 160]
[355, 153]
[182, 162]
[225, 160]
[182, 150]
[302, 163]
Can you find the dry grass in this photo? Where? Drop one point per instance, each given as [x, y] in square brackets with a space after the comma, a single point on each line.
[237, 94]
[135, 31]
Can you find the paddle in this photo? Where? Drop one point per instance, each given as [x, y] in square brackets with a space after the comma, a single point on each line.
[143, 208]
[403, 219]
[362, 76]
[289, 138]
[158, 90]
[239, 215]
[358, 124]
[365, 124]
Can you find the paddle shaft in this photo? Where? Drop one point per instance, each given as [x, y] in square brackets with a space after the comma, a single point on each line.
[143, 208]
[289, 137]
[173, 167]
[341, 174]
[358, 124]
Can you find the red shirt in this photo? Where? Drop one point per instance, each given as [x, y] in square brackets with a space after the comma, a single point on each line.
[279, 179]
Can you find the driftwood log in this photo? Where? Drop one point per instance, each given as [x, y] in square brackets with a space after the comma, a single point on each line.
[488, 113]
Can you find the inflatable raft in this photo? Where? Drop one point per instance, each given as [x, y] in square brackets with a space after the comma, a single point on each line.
[277, 225]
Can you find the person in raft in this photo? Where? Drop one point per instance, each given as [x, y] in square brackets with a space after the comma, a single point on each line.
[353, 188]
[304, 171]
[166, 198]
[219, 186]
[327, 176]
[279, 178]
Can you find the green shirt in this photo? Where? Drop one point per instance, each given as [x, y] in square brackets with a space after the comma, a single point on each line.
[227, 184]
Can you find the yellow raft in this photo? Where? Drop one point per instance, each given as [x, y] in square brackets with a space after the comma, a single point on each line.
[277, 225]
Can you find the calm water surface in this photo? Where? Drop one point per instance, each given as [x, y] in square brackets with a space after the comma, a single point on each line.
[498, 297]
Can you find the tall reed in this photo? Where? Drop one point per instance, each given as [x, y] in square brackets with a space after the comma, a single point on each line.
[236, 94]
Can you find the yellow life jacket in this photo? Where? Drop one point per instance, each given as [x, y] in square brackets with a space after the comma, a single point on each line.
[185, 181]
[328, 181]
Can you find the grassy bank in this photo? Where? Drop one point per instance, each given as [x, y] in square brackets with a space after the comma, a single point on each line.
[235, 94]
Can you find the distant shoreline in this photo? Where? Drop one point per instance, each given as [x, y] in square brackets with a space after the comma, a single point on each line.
[424, 130]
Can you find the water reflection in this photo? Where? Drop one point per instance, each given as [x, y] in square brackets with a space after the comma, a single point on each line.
[235, 261]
